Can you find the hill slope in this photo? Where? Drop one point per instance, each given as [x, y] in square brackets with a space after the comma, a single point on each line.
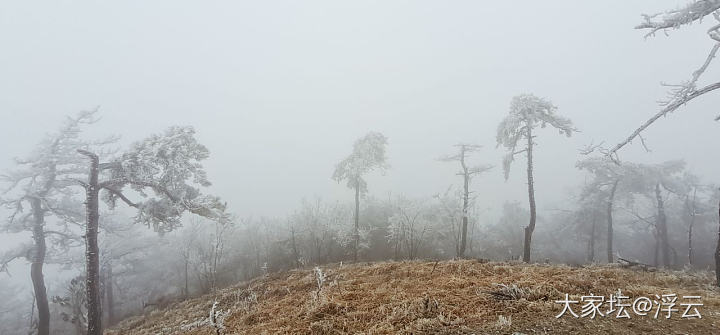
[453, 297]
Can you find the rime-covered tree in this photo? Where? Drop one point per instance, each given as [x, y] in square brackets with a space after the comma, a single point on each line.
[657, 182]
[606, 177]
[682, 93]
[697, 210]
[39, 189]
[467, 172]
[608, 181]
[515, 133]
[368, 155]
[165, 172]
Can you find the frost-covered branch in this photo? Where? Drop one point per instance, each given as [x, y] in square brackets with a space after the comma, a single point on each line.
[687, 91]
[167, 165]
[668, 109]
[22, 251]
[368, 154]
[528, 111]
[694, 11]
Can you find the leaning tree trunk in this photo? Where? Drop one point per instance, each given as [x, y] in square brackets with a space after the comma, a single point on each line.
[36, 268]
[662, 228]
[92, 253]
[611, 200]
[531, 197]
[357, 221]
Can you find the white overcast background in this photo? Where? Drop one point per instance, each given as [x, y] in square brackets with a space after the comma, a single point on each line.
[279, 90]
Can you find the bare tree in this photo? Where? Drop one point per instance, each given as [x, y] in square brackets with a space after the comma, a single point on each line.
[368, 154]
[209, 247]
[166, 166]
[408, 227]
[39, 181]
[467, 172]
[526, 113]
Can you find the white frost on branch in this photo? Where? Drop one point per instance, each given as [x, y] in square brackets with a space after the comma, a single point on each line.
[674, 19]
[527, 111]
[165, 170]
[680, 94]
[368, 154]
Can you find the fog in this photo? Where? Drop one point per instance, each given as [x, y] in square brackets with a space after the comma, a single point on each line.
[278, 91]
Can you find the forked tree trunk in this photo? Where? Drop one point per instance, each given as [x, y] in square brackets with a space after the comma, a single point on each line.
[92, 253]
[531, 197]
[357, 221]
[662, 228]
[36, 267]
[611, 200]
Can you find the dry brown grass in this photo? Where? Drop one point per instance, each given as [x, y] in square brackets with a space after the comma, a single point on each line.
[427, 298]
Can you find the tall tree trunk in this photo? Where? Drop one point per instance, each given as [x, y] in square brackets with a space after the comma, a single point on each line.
[611, 200]
[693, 211]
[36, 267]
[531, 197]
[466, 199]
[187, 287]
[690, 248]
[295, 251]
[109, 294]
[656, 261]
[662, 228]
[591, 242]
[92, 253]
[357, 221]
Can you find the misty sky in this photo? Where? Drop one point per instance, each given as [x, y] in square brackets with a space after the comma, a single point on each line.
[279, 90]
